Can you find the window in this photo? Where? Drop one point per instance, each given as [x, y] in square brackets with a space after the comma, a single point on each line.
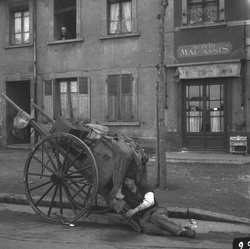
[200, 12]
[65, 16]
[120, 98]
[120, 17]
[70, 98]
[205, 108]
[203, 12]
[20, 24]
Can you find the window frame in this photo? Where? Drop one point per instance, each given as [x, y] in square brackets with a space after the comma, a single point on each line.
[53, 33]
[221, 15]
[105, 22]
[12, 8]
[120, 19]
[134, 87]
[58, 13]
[51, 100]
[22, 30]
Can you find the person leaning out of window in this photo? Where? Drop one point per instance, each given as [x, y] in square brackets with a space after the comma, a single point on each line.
[64, 34]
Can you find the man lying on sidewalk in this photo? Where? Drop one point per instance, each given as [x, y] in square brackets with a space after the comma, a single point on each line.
[145, 209]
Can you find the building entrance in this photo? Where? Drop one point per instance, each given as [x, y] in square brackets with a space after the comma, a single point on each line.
[19, 92]
[204, 115]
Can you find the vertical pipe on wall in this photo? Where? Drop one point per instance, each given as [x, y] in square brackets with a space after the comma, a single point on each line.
[35, 57]
[244, 82]
[35, 48]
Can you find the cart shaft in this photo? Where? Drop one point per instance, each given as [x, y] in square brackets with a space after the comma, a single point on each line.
[32, 122]
[25, 114]
[42, 112]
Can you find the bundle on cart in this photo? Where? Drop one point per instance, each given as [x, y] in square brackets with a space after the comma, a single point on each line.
[70, 126]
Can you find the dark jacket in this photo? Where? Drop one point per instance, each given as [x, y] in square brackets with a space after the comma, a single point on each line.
[65, 36]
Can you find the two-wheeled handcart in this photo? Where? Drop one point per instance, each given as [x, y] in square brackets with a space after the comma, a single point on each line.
[65, 170]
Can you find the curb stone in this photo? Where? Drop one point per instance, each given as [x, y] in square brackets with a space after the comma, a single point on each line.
[174, 212]
[213, 216]
[185, 160]
[13, 199]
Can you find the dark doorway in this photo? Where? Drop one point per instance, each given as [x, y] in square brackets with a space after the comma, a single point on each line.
[204, 115]
[19, 92]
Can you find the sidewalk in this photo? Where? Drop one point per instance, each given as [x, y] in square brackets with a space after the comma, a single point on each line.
[180, 164]
[199, 157]
[204, 158]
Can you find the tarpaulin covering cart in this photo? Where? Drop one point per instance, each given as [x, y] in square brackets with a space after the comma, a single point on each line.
[66, 169]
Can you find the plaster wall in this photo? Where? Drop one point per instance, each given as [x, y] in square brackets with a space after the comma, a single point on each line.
[94, 55]
[90, 56]
[14, 59]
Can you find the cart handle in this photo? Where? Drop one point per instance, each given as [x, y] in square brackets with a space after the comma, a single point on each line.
[24, 114]
[42, 112]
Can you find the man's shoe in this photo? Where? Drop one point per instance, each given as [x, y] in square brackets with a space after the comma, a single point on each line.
[188, 232]
[134, 225]
[129, 220]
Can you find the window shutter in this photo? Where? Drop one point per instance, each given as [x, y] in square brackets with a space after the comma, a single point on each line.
[184, 12]
[83, 85]
[113, 81]
[113, 97]
[126, 83]
[48, 87]
[222, 10]
[84, 98]
[126, 97]
[48, 98]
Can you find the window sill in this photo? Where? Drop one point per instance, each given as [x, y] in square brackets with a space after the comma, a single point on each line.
[115, 36]
[121, 123]
[65, 41]
[203, 25]
[18, 46]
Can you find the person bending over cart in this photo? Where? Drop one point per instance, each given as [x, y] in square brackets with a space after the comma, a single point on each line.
[142, 206]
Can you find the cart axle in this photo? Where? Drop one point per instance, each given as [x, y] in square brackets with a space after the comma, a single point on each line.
[57, 177]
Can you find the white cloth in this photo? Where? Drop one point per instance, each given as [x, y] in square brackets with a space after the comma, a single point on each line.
[147, 202]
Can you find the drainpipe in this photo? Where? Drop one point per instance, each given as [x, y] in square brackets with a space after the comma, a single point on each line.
[35, 58]
[244, 102]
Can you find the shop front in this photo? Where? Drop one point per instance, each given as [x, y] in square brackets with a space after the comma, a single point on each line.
[211, 107]
[207, 88]
[206, 111]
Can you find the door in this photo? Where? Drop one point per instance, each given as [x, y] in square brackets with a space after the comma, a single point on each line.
[19, 92]
[72, 98]
[204, 115]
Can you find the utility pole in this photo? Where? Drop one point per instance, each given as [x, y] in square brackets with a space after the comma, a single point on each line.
[160, 105]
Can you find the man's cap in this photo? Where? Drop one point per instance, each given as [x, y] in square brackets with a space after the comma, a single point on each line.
[130, 176]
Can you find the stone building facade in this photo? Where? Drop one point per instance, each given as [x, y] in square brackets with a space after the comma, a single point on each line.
[105, 70]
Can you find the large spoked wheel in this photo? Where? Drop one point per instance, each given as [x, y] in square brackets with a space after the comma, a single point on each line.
[61, 178]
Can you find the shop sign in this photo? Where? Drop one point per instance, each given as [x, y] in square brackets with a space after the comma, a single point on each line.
[210, 71]
[196, 50]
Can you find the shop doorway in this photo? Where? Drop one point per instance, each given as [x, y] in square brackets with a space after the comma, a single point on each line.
[19, 92]
[204, 115]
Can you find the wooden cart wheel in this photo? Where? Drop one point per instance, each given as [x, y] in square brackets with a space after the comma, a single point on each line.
[61, 178]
